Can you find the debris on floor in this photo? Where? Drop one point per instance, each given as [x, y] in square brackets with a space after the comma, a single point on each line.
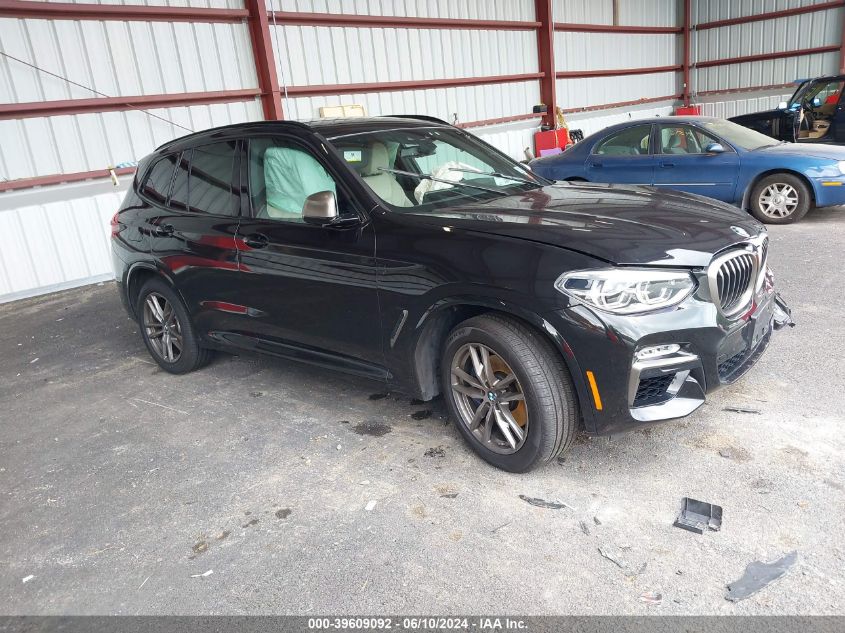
[377, 396]
[651, 597]
[28, 578]
[449, 495]
[373, 428]
[284, 513]
[200, 547]
[421, 415]
[542, 503]
[370, 505]
[613, 555]
[696, 516]
[584, 528]
[203, 575]
[757, 576]
[742, 410]
[437, 451]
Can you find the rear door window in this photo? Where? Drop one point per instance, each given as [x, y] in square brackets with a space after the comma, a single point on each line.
[157, 184]
[206, 180]
[632, 141]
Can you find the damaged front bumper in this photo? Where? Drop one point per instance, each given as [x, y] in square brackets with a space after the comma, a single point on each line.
[674, 358]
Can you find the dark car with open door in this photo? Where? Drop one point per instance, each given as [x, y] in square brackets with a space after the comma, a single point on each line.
[814, 114]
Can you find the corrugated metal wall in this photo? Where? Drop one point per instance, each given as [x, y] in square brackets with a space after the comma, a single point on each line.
[585, 51]
[809, 30]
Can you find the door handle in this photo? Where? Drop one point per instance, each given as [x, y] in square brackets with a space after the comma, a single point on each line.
[596, 163]
[256, 240]
[664, 164]
[163, 230]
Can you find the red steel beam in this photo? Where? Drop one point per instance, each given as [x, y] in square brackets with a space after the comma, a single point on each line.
[113, 104]
[621, 104]
[747, 89]
[615, 28]
[771, 15]
[265, 61]
[764, 56]
[388, 86]
[121, 12]
[544, 12]
[57, 179]
[686, 45]
[499, 121]
[580, 74]
[395, 21]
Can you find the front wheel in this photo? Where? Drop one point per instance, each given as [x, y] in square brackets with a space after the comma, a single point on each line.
[780, 199]
[509, 391]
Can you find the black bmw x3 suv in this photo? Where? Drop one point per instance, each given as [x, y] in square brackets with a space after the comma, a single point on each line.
[409, 251]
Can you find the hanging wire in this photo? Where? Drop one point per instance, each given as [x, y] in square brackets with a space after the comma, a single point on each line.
[279, 52]
[96, 92]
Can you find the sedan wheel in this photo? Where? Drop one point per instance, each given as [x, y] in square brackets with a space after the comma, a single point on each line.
[163, 328]
[489, 398]
[778, 200]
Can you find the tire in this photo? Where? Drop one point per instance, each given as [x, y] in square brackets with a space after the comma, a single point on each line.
[780, 187]
[548, 414]
[179, 331]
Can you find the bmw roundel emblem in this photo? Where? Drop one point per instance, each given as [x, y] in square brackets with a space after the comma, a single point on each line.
[740, 231]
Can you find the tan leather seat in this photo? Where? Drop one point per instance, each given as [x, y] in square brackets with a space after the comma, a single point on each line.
[384, 184]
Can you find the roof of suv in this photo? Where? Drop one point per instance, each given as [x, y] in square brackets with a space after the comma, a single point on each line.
[327, 127]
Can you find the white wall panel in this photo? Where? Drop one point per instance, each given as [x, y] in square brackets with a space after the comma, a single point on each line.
[651, 12]
[72, 246]
[470, 103]
[583, 11]
[510, 138]
[605, 51]
[764, 73]
[712, 10]
[86, 142]
[122, 58]
[308, 55]
[210, 4]
[742, 104]
[591, 122]
[474, 9]
[582, 93]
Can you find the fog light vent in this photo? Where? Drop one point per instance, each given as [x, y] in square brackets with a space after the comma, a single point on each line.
[655, 351]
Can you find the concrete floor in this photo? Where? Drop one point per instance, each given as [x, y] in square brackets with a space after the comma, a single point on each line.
[119, 483]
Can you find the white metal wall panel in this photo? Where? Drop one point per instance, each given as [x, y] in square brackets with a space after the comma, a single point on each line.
[512, 138]
[605, 51]
[522, 10]
[712, 10]
[72, 246]
[651, 12]
[768, 72]
[591, 122]
[582, 93]
[209, 4]
[308, 55]
[583, 11]
[122, 58]
[743, 104]
[470, 103]
[87, 142]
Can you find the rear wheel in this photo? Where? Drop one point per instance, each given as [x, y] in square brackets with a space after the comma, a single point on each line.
[780, 199]
[509, 391]
[167, 330]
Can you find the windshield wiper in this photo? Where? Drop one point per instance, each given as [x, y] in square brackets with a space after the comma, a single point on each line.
[496, 174]
[443, 180]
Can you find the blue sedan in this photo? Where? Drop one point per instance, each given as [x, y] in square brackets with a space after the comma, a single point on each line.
[777, 182]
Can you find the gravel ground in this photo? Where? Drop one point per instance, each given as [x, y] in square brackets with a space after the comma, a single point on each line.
[299, 491]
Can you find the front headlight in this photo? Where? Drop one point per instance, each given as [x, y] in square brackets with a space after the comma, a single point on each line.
[841, 164]
[627, 290]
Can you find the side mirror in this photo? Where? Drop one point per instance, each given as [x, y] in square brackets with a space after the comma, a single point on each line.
[783, 105]
[320, 208]
[714, 148]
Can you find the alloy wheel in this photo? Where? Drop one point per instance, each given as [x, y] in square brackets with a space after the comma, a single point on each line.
[778, 200]
[489, 398]
[162, 327]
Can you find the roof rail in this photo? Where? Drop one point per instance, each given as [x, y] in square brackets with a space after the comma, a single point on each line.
[420, 117]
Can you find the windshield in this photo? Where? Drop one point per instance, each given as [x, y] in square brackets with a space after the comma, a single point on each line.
[737, 135]
[422, 169]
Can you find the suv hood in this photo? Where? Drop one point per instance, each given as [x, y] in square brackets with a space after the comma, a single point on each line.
[621, 225]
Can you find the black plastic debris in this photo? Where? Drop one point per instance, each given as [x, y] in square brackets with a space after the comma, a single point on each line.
[757, 576]
[696, 516]
[542, 503]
